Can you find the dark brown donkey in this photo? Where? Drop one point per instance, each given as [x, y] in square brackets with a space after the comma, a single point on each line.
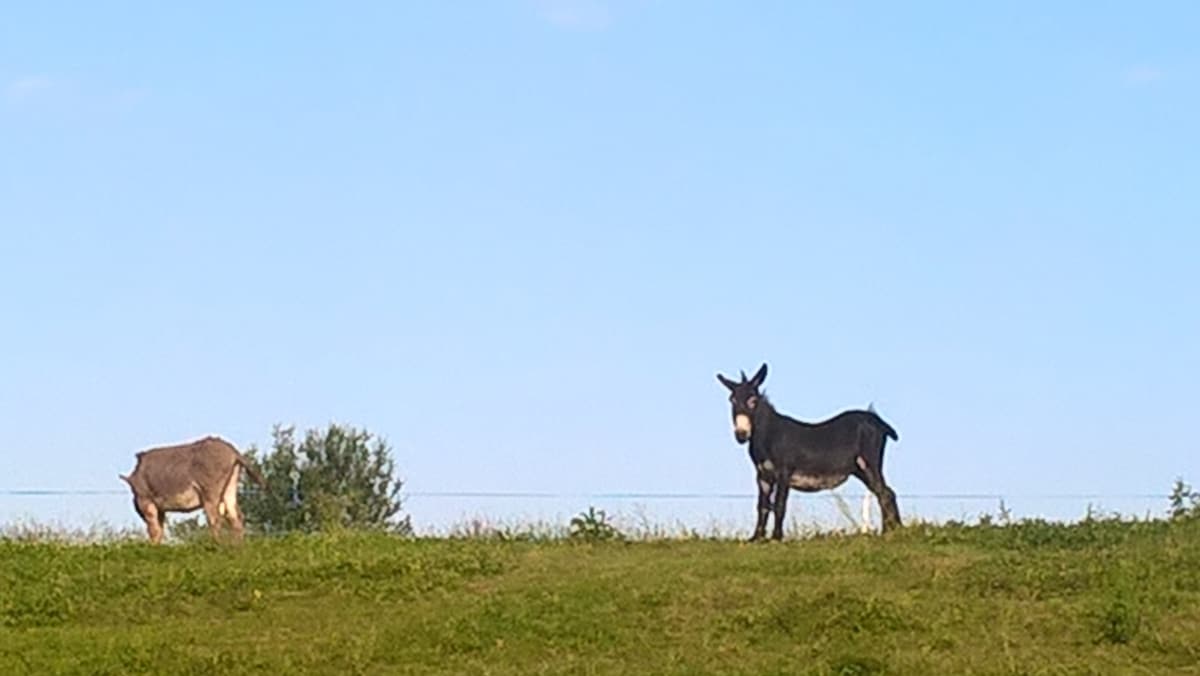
[810, 457]
[186, 477]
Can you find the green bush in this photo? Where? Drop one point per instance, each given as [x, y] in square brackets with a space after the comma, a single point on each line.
[337, 478]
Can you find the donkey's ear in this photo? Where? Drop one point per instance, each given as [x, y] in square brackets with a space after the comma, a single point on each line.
[726, 382]
[760, 376]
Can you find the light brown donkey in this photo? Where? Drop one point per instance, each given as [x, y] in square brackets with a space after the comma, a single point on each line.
[186, 477]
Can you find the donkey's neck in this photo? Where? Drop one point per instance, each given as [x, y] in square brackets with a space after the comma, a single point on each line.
[764, 419]
[767, 421]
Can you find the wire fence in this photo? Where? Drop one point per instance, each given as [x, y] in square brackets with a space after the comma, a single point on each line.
[433, 511]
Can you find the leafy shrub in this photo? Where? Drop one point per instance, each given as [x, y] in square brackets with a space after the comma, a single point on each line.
[337, 478]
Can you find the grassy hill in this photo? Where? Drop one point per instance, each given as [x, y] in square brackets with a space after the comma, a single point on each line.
[1100, 596]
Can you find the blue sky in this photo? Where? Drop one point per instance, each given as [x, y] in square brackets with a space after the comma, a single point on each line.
[519, 238]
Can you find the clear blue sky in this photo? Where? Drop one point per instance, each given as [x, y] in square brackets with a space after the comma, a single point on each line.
[519, 238]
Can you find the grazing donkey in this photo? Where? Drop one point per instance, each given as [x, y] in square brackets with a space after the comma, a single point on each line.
[186, 477]
[788, 453]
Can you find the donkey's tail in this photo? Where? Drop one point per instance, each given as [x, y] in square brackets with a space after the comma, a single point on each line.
[883, 426]
[250, 471]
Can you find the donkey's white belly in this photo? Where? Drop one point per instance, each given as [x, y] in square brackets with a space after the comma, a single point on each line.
[817, 482]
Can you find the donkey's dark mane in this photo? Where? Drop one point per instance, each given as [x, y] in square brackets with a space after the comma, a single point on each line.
[767, 408]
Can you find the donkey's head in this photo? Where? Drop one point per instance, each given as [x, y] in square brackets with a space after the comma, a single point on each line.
[745, 397]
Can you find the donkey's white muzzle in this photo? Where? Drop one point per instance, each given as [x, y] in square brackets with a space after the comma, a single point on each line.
[741, 427]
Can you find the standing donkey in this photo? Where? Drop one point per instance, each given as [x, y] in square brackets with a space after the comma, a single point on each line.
[186, 477]
[810, 457]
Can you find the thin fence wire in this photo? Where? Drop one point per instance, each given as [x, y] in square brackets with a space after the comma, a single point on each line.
[540, 495]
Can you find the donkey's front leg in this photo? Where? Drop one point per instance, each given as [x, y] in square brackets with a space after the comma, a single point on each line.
[782, 488]
[765, 484]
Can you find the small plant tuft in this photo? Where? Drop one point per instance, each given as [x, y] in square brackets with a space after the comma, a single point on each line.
[1006, 515]
[594, 526]
[858, 666]
[1119, 622]
[191, 529]
[1185, 502]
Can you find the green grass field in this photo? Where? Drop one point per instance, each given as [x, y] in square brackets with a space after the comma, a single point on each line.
[1103, 596]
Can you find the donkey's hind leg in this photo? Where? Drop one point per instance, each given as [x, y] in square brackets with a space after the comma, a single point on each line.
[228, 507]
[212, 514]
[871, 475]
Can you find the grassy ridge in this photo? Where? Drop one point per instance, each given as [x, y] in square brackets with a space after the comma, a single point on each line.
[1095, 597]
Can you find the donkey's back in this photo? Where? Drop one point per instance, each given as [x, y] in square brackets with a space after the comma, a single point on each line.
[851, 431]
[169, 470]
